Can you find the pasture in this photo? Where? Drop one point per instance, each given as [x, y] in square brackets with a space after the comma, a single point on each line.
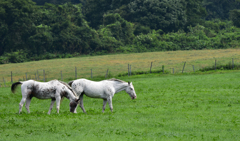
[118, 64]
[168, 107]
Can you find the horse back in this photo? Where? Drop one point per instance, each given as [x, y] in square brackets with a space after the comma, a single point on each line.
[40, 90]
[91, 88]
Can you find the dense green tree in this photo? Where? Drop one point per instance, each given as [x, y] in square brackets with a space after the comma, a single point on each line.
[94, 11]
[220, 8]
[16, 24]
[121, 29]
[195, 12]
[165, 15]
[140, 29]
[42, 2]
[56, 27]
[158, 14]
[63, 29]
[235, 17]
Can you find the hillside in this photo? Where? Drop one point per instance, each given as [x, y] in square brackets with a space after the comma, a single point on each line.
[118, 64]
[71, 28]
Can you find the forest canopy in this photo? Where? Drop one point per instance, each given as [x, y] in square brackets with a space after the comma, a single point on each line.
[45, 29]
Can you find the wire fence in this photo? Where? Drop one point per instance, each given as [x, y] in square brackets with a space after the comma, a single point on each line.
[45, 75]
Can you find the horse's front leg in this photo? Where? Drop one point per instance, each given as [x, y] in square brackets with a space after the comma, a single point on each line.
[104, 105]
[81, 103]
[110, 103]
[51, 106]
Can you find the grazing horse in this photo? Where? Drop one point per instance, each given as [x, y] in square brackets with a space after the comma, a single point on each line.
[103, 89]
[54, 90]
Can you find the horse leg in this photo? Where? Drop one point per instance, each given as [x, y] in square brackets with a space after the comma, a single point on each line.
[51, 106]
[25, 93]
[110, 103]
[28, 103]
[75, 111]
[104, 104]
[81, 103]
[58, 103]
[21, 104]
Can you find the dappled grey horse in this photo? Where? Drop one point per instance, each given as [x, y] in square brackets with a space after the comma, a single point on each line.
[54, 90]
[103, 89]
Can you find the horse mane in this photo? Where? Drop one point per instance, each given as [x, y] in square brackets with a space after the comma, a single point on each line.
[114, 79]
[70, 83]
[64, 83]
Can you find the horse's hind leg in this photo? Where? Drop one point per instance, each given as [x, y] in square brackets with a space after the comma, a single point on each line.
[81, 103]
[104, 105]
[58, 103]
[110, 103]
[21, 104]
[51, 106]
[28, 103]
[25, 93]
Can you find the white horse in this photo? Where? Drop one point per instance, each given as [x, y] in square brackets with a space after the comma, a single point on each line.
[54, 90]
[104, 89]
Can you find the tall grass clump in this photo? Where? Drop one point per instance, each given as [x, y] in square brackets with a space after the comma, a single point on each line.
[228, 66]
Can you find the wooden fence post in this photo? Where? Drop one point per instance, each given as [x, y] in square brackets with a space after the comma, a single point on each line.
[4, 82]
[151, 68]
[173, 70]
[215, 64]
[193, 68]
[128, 69]
[76, 72]
[26, 76]
[232, 63]
[183, 67]
[91, 73]
[37, 75]
[11, 78]
[162, 68]
[61, 76]
[43, 75]
[106, 74]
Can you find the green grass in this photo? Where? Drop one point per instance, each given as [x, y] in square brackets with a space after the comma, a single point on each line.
[118, 64]
[168, 107]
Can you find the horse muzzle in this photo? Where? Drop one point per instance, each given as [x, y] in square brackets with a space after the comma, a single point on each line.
[134, 97]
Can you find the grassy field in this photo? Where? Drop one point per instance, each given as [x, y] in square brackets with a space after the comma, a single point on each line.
[168, 107]
[118, 64]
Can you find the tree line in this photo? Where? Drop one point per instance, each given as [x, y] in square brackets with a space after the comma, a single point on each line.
[45, 29]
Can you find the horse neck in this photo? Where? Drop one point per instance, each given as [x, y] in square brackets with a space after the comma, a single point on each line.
[120, 87]
[70, 95]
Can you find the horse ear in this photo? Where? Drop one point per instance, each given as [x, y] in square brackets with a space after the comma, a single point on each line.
[128, 83]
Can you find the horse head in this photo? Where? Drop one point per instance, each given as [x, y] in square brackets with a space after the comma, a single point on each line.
[130, 90]
[73, 105]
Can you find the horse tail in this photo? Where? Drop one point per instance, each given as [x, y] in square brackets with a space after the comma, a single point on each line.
[14, 86]
[70, 83]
